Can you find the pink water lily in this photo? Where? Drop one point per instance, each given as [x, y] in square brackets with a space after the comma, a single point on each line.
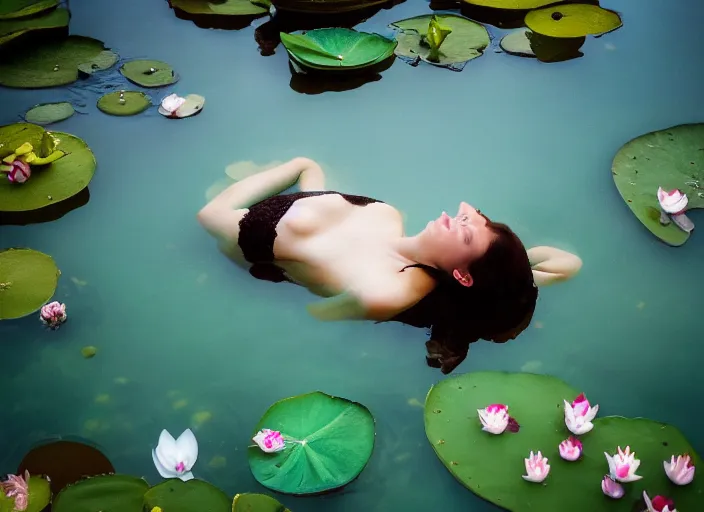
[53, 314]
[659, 503]
[17, 487]
[623, 465]
[680, 471]
[579, 415]
[570, 449]
[172, 103]
[537, 468]
[673, 202]
[612, 488]
[495, 419]
[17, 171]
[270, 441]
[174, 458]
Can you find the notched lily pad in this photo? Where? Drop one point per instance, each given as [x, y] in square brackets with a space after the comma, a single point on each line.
[119, 493]
[174, 495]
[465, 41]
[104, 60]
[28, 280]
[226, 14]
[12, 28]
[11, 9]
[124, 103]
[517, 43]
[47, 113]
[672, 159]
[149, 73]
[572, 20]
[250, 502]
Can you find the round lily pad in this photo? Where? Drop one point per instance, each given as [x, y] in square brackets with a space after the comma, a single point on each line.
[49, 184]
[89, 351]
[39, 495]
[221, 8]
[192, 106]
[329, 441]
[10, 9]
[149, 73]
[517, 43]
[48, 113]
[104, 60]
[672, 159]
[513, 5]
[466, 41]
[13, 28]
[114, 493]
[337, 48]
[175, 495]
[572, 20]
[250, 502]
[28, 280]
[135, 103]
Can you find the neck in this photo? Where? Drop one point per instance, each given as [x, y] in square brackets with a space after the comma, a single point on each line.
[409, 250]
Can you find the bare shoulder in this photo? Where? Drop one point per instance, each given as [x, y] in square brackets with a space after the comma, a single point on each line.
[386, 296]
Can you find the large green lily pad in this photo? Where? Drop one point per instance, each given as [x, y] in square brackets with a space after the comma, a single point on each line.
[149, 73]
[135, 103]
[13, 28]
[39, 496]
[467, 40]
[49, 184]
[175, 495]
[337, 48]
[512, 5]
[28, 280]
[250, 502]
[670, 158]
[108, 493]
[11, 9]
[221, 8]
[572, 20]
[336, 440]
[48, 113]
[49, 63]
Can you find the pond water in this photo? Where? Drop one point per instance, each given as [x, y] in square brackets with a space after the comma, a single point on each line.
[181, 331]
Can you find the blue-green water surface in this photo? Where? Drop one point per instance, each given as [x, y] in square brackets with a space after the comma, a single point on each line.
[180, 330]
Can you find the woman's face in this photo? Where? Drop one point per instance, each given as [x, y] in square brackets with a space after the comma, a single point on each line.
[455, 242]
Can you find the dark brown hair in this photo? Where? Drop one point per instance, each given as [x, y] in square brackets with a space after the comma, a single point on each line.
[497, 307]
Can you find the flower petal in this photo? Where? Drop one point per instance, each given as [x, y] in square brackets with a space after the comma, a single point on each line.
[166, 450]
[163, 471]
[187, 448]
[186, 476]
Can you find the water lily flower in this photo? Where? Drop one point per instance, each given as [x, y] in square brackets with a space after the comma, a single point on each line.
[659, 504]
[17, 171]
[674, 203]
[579, 415]
[270, 441]
[537, 468]
[171, 104]
[612, 488]
[53, 314]
[17, 487]
[494, 418]
[680, 471]
[175, 458]
[623, 465]
[570, 449]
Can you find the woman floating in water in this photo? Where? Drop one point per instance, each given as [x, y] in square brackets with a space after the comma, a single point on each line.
[464, 277]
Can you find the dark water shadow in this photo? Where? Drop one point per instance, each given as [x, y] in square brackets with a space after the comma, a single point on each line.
[222, 22]
[46, 214]
[553, 49]
[501, 18]
[318, 82]
[33, 38]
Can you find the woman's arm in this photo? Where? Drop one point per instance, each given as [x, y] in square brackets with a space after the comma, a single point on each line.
[551, 265]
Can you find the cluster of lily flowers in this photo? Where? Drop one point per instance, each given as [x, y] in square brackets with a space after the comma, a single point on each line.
[623, 464]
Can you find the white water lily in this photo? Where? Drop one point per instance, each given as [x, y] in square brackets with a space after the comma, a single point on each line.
[494, 418]
[579, 415]
[174, 458]
[172, 103]
[680, 471]
[623, 465]
[673, 201]
[537, 468]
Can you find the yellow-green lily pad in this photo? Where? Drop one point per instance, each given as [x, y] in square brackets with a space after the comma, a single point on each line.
[48, 63]
[49, 184]
[512, 5]
[149, 73]
[219, 8]
[174, 495]
[134, 103]
[251, 502]
[572, 20]
[47, 113]
[15, 27]
[28, 279]
[11, 9]
[104, 60]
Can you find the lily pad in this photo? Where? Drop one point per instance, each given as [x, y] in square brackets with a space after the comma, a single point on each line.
[670, 158]
[28, 280]
[49, 184]
[48, 113]
[149, 73]
[89, 351]
[512, 5]
[572, 20]
[13, 28]
[467, 40]
[111, 493]
[48, 64]
[104, 60]
[220, 8]
[337, 48]
[192, 106]
[335, 441]
[175, 495]
[135, 103]
[250, 502]
[10, 9]
[325, 6]
[517, 43]
[39, 496]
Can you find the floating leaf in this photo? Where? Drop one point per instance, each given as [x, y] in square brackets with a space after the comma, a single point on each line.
[28, 280]
[337, 48]
[336, 439]
[192, 106]
[47, 113]
[10, 9]
[39, 496]
[13, 28]
[670, 158]
[104, 60]
[110, 493]
[513, 5]
[174, 495]
[149, 73]
[135, 102]
[250, 502]
[50, 183]
[467, 40]
[517, 43]
[89, 351]
[325, 6]
[572, 20]
[220, 8]
[49, 63]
